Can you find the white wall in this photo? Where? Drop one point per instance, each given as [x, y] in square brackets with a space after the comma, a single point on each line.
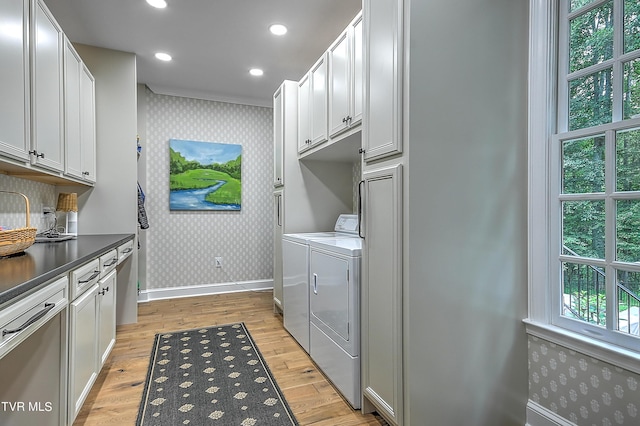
[111, 206]
[466, 289]
[181, 245]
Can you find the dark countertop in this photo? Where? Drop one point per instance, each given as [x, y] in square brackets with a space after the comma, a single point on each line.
[42, 262]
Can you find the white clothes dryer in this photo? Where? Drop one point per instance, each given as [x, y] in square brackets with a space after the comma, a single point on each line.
[295, 269]
[334, 306]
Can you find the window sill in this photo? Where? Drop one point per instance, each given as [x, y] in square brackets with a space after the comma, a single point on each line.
[616, 355]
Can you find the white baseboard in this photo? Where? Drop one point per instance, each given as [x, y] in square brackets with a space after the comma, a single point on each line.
[202, 290]
[537, 415]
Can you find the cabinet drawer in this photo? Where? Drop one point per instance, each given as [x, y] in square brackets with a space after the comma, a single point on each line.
[19, 320]
[124, 251]
[108, 262]
[84, 277]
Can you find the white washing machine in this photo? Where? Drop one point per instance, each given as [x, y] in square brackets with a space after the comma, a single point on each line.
[295, 269]
[334, 312]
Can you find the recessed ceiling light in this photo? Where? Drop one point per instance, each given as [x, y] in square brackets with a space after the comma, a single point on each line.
[278, 29]
[256, 72]
[160, 4]
[163, 56]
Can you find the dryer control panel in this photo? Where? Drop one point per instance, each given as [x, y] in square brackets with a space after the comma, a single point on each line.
[347, 223]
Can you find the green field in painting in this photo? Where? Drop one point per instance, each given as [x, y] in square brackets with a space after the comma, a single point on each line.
[229, 193]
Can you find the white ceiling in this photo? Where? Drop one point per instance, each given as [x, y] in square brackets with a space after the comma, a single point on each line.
[213, 43]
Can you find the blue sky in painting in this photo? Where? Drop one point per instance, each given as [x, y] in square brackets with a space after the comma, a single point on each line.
[206, 152]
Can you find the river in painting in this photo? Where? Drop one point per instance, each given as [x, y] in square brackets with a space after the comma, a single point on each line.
[194, 199]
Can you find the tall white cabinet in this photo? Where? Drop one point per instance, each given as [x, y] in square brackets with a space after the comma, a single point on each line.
[382, 212]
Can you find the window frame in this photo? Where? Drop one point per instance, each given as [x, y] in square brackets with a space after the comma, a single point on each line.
[544, 123]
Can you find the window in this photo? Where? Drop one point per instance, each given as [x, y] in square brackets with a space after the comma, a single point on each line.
[593, 164]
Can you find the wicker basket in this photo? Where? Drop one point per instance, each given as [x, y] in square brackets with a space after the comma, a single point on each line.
[17, 240]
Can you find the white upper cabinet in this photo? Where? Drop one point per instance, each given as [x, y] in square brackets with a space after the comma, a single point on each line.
[79, 113]
[47, 102]
[72, 66]
[14, 74]
[46, 90]
[312, 106]
[278, 140]
[304, 113]
[382, 121]
[357, 85]
[346, 79]
[88, 124]
[319, 101]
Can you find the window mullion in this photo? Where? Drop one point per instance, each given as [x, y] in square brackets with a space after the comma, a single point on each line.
[618, 42]
[610, 228]
[563, 68]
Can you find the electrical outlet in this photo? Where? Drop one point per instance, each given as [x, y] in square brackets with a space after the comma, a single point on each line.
[218, 261]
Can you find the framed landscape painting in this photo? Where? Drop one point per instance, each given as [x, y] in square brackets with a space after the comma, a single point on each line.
[204, 175]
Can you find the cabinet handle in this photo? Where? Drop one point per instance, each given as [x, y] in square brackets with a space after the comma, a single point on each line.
[127, 250]
[104, 290]
[360, 234]
[85, 173]
[94, 275]
[36, 317]
[41, 155]
[113, 262]
[279, 221]
[315, 283]
[34, 152]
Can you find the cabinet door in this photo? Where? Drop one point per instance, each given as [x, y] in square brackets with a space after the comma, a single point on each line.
[277, 249]
[72, 139]
[47, 98]
[278, 138]
[357, 76]
[319, 101]
[382, 293]
[339, 84]
[382, 120]
[88, 124]
[304, 113]
[106, 317]
[14, 72]
[83, 348]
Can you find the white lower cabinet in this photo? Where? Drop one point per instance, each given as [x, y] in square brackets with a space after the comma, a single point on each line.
[83, 349]
[106, 316]
[92, 326]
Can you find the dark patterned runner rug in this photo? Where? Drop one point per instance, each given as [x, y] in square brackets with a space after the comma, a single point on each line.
[211, 376]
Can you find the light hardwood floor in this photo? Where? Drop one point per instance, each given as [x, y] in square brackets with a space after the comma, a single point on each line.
[115, 397]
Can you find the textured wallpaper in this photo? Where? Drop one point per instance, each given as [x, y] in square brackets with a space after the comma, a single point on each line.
[181, 245]
[580, 388]
[12, 207]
